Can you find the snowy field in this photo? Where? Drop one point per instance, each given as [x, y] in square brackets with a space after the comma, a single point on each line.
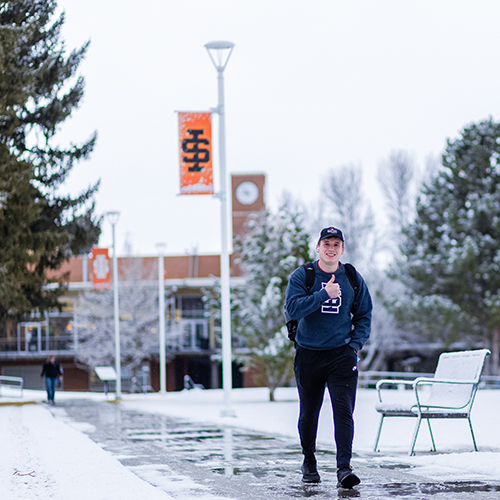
[43, 457]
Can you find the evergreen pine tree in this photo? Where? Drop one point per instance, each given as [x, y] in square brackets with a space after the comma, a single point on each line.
[451, 253]
[39, 228]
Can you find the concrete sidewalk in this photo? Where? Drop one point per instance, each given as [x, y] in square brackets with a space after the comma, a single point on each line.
[182, 446]
[243, 464]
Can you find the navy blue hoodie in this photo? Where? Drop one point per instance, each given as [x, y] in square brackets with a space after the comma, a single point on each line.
[325, 323]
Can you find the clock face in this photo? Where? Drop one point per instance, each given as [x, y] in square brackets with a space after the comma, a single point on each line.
[247, 193]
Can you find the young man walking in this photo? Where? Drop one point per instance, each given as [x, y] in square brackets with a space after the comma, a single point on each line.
[330, 333]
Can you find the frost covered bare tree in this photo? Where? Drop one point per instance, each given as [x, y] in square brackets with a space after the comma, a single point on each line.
[348, 209]
[397, 180]
[274, 246]
[396, 177]
[94, 320]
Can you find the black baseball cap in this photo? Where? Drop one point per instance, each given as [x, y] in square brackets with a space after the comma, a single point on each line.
[330, 232]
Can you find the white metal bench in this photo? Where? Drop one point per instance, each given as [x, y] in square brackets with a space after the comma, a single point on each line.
[451, 395]
[11, 386]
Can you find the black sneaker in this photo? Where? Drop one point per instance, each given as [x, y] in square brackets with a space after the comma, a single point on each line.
[346, 477]
[310, 471]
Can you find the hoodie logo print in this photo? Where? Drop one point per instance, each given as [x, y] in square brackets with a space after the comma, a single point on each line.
[331, 306]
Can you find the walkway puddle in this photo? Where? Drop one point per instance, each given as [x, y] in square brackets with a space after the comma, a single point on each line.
[416, 490]
[394, 466]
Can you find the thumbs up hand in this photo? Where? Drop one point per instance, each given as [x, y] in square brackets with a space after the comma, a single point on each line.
[332, 288]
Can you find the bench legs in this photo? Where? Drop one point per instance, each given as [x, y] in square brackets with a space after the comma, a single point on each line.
[415, 434]
[378, 435]
[412, 452]
[472, 433]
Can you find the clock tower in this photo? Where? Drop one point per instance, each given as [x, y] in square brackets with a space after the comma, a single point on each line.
[247, 197]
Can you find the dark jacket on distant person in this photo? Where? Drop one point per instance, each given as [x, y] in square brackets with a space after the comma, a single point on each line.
[52, 370]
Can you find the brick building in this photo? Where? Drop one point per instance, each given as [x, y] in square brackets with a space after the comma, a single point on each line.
[24, 346]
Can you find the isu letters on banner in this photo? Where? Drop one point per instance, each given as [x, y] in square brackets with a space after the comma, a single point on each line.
[195, 153]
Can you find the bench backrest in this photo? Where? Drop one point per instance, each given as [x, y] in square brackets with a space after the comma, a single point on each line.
[457, 366]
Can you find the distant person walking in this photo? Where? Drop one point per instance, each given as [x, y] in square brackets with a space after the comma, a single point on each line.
[53, 372]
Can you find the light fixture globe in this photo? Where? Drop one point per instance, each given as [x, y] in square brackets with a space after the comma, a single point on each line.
[112, 216]
[220, 52]
[220, 44]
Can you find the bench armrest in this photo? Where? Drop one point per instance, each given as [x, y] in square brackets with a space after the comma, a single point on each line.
[431, 381]
[389, 381]
[420, 381]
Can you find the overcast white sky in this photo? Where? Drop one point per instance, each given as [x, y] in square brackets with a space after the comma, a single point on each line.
[311, 85]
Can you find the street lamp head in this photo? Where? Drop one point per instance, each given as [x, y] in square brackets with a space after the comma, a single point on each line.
[161, 246]
[112, 216]
[219, 52]
[219, 44]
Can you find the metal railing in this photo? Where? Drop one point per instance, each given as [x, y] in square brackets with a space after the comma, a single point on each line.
[14, 347]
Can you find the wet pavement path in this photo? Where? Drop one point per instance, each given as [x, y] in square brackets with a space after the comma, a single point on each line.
[205, 461]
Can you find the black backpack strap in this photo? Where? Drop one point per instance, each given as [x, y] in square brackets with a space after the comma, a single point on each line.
[291, 324]
[310, 279]
[310, 275]
[352, 275]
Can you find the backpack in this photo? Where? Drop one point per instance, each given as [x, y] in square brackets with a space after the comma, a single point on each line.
[350, 270]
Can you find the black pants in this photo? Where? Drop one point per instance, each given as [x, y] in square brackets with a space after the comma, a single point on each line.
[336, 369]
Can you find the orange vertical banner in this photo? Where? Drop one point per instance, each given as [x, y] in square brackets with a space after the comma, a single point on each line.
[195, 153]
[101, 269]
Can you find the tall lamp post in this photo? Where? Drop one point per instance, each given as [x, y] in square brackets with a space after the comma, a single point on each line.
[113, 220]
[161, 290]
[219, 53]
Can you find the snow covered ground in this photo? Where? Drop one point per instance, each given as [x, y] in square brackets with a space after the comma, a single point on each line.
[44, 457]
